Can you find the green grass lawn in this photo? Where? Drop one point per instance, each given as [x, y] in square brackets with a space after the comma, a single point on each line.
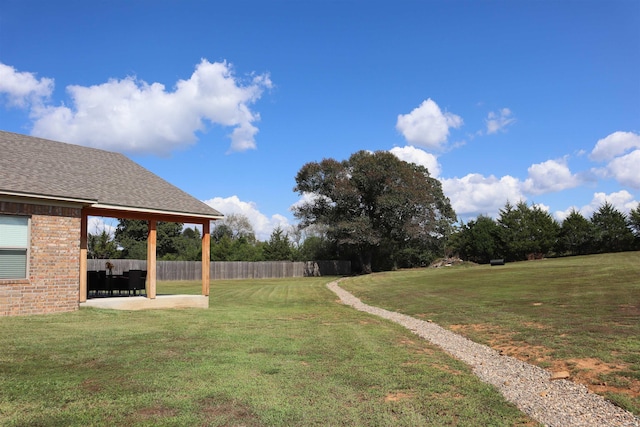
[266, 353]
[580, 314]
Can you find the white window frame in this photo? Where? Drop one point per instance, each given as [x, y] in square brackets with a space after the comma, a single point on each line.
[22, 246]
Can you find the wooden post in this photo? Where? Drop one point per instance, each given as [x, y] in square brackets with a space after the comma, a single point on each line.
[83, 258]
[151, 259]
[206, 256]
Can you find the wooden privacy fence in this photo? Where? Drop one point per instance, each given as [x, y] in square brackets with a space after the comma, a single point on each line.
[219, 270]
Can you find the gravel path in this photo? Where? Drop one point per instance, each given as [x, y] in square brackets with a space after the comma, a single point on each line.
[553, 403]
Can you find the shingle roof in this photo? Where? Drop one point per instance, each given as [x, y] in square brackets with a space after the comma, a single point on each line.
[39, 167]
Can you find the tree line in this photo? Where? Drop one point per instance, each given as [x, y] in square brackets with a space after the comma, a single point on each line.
[232, 239]
[381, 213]
[527, 232]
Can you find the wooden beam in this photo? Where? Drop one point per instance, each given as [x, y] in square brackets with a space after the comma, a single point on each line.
[151, 259]
[206, 256]
[82, 297]
[115, 213]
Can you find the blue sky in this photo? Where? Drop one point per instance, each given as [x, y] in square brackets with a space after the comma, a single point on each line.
[501, 100]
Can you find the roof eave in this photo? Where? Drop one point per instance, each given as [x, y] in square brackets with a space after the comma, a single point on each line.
[47, 197]
[100, 209]
[96, 209]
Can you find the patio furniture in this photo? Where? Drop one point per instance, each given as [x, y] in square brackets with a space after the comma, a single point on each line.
[137, 281]
[103, 285]
[118, 284]
[93, 280]
[99, 283]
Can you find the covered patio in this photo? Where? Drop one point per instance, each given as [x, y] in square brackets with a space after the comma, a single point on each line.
[48, 190]
[150, 299]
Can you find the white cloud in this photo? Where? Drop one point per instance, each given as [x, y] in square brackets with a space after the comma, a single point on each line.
[23, 88]
[550, 176]
[560, 216]
[625, 169]
[498, 121]
[420, 157]
[427, 126]
[614, 145]
[621, 200]
[475, 194]
[542, 207]
[622, 152]
[305, 199]
[133, 116]
[97, 224]
[262, 225]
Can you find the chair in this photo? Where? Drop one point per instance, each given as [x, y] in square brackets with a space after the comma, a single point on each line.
[102, 282]
[137, 281]
[93, 280]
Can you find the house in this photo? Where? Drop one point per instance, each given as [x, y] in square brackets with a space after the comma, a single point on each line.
[48, 189]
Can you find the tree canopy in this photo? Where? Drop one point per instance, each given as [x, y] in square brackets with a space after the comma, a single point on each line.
[174, 242]
[233, 239]
[377, 207]
[478, 240]
[576, 235]
[527, 232]
[634, 222]
[612, 231]
[101, 246]
[278, 248]
[522, 232]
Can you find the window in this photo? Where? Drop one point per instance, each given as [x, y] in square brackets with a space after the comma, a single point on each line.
[14, 246]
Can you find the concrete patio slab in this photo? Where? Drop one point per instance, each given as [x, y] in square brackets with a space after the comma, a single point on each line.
[144, 303]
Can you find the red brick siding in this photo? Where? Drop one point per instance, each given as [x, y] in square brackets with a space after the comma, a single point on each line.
[54, 262]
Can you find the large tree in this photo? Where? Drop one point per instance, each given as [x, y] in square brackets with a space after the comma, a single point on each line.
[312, 244]
[188, 246]
[634, 222]
[278, 248]
[375, 204]
[478, 240]
[576, 235]
[131, 236]
[102, 246]
[233, 239]
[236, 226]
[527, 232]
[612, 232]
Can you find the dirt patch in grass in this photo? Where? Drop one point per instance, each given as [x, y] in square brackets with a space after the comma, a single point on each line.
[400, 395]
[407, 342]
[630, 310]
[91, 385]
[598, 376]
[154, 413]
[231, 413]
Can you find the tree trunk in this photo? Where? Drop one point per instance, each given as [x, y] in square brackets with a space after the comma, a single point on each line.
[365, 261]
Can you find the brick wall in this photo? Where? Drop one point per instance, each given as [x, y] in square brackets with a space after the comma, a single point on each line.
[53, 282]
